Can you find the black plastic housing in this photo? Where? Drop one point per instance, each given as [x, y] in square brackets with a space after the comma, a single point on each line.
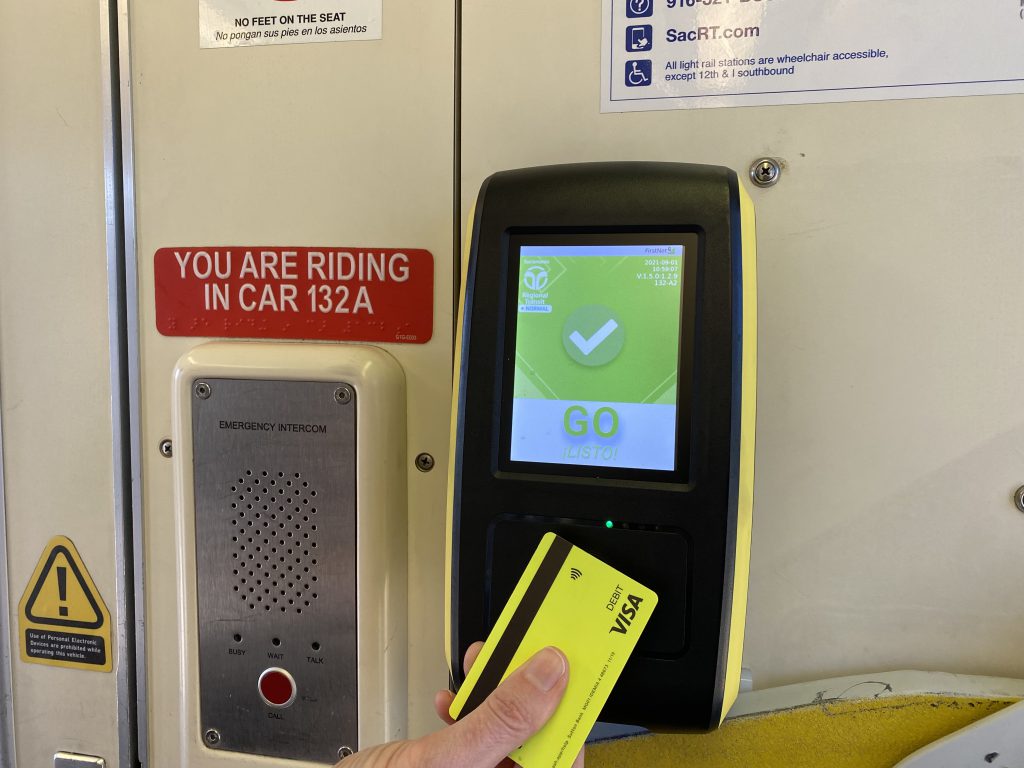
[674, 532]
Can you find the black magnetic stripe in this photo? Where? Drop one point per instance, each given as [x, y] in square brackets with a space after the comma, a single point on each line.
[521, 620]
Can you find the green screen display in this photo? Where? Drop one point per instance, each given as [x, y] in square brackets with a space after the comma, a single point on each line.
[597, 354]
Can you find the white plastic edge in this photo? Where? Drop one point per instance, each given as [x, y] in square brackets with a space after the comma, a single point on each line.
[992, 742]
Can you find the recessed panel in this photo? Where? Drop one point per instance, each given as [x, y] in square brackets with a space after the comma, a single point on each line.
[274, 468]
[636, 550]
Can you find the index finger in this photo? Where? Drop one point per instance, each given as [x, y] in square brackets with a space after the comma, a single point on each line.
[471, 655]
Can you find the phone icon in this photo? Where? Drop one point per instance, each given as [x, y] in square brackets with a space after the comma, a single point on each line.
[639, 38]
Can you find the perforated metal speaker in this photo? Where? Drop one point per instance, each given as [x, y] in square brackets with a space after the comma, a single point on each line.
[274, 538]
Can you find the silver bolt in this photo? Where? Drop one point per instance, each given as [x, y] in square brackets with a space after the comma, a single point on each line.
[344, 752]
[343, 394]
[202, 390]
[212, 737]
[1018, 498]
[424, 462]
[166, 448]
[765, 172]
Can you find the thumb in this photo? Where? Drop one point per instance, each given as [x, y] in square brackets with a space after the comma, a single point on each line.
[516, 710]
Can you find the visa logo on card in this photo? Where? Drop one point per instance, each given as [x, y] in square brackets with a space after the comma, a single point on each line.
[592, 612]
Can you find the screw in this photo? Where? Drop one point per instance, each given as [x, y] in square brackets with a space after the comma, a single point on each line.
[166, 448]
[424, 462]
[202, 390]
[344, 752]
[1018, 498]
[343, 394]
[212, 737]
[765, 172]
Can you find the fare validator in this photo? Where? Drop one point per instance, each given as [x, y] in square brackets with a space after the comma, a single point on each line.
[606, 393]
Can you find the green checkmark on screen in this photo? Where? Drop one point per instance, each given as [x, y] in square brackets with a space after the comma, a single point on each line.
[593, 335]
[599, 323]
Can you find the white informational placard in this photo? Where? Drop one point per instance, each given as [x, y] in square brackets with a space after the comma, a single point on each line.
[678, 54]
[231, 23]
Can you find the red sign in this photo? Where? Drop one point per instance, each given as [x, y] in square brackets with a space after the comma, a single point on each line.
[329, 293]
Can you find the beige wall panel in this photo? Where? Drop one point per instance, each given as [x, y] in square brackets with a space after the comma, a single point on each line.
[890, 422]
[309, 144]
[54, 354]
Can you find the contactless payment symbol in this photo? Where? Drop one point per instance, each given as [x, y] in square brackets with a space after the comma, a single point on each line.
[638, 72]
[637, 9]
[639, 38]
[593, 335]
[535, 278]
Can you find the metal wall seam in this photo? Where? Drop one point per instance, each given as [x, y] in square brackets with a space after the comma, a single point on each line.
[132, 349]
[120, 308]
[7, 754]
[457, 227]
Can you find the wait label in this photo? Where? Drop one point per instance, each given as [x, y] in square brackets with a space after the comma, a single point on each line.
[63, 620]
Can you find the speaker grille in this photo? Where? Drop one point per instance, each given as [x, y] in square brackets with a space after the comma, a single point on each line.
[274, 540]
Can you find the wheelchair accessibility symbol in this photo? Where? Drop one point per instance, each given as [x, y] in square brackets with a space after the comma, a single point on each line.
[638, 73]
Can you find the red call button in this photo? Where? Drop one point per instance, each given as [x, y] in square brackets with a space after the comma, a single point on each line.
[277, 687]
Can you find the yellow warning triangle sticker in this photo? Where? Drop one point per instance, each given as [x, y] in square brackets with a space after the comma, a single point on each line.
[63, 620]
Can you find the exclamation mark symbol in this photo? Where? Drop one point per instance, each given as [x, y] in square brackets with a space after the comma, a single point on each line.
[62, 588]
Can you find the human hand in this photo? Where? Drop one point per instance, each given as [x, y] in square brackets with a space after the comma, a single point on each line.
[517, 709]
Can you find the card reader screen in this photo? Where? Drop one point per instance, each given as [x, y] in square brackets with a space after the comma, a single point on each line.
[597, 351]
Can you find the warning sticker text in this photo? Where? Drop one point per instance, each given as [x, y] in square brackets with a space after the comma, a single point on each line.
[65, 646]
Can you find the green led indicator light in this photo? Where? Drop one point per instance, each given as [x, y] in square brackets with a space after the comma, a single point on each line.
[609, 524]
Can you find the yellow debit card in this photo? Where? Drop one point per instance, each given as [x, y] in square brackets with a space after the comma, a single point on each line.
[592, 612]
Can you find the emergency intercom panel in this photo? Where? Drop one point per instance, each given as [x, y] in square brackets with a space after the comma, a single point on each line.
[606, 393]
[295, 459]
[275, 556]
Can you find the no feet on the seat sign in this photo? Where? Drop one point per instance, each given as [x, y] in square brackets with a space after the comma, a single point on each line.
[233, 23]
